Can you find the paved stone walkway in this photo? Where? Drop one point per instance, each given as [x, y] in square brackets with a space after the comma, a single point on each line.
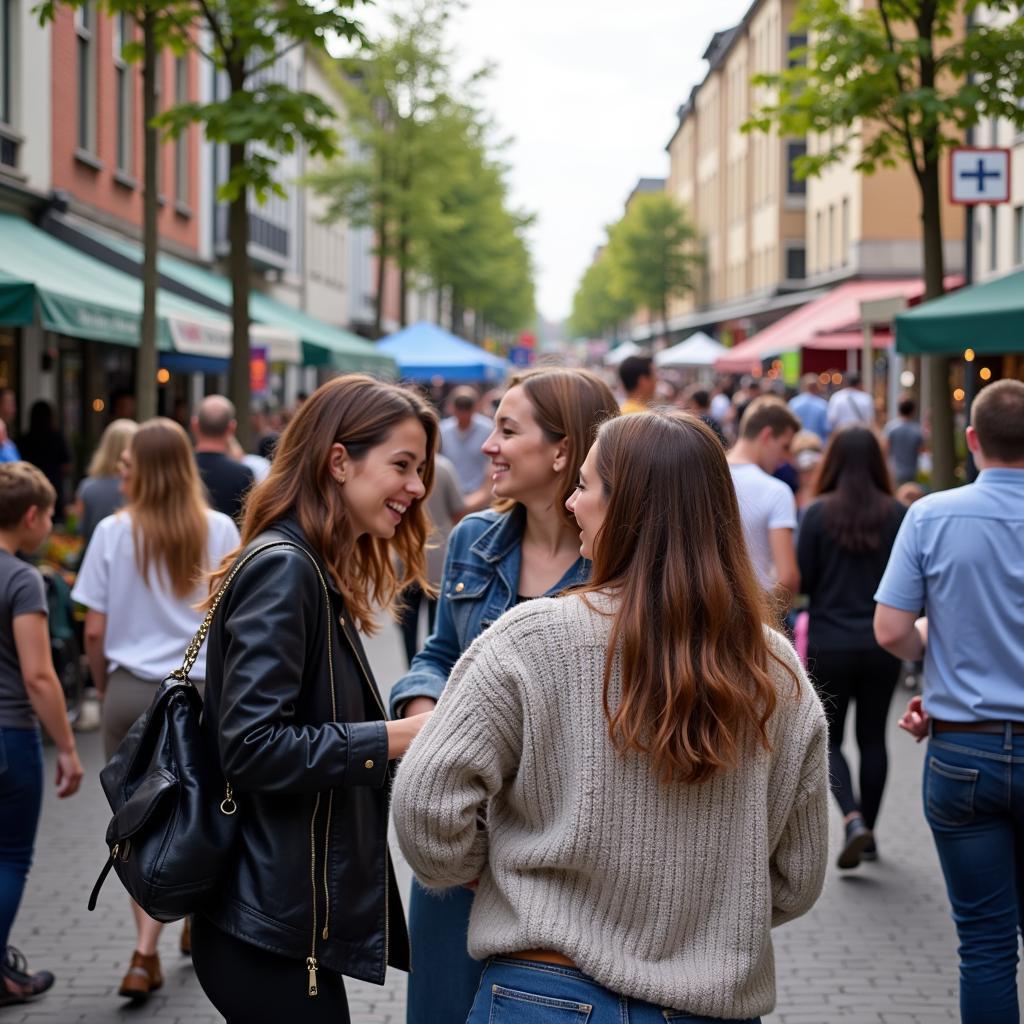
[879, 947]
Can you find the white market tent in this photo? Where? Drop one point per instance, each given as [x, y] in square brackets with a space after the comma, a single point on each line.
[622, 353]
[697, 350]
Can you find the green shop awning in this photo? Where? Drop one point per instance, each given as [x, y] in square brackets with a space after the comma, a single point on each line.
[987, 317]
[322, 344]
[46, 282]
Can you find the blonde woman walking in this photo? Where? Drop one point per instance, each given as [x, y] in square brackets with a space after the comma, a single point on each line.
[141, 580]
[100, 494]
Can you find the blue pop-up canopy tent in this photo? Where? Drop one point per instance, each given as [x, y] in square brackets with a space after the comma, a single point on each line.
[425, 351]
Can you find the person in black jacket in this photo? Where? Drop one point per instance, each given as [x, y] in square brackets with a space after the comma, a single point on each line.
[294, 716]
[842, 551]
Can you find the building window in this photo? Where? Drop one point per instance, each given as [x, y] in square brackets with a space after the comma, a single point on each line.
[1018, 235]
[831, 235]
[158, 89]
[795, 42]
[844, 254]
[796, 263]
[795, 186]
[181, 143]
[124, 86]
[85, 26]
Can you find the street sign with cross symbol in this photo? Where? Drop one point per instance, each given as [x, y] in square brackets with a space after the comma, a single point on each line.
[979, 176]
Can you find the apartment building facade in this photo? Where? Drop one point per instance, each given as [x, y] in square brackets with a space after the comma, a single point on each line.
[739, 188]
[772, 241]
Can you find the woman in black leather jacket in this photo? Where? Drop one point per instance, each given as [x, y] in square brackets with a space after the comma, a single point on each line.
[295, 718]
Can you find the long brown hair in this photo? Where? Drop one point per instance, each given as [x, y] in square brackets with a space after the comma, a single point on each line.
[358, 412]
[690, 618]
[854, 483]
[167, 505]
[569, 405]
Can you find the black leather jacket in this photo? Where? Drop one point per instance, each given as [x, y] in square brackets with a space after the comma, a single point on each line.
[312, 877]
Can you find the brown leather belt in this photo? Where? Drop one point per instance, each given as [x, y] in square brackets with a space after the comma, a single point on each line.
[544, 956]
[994, 728]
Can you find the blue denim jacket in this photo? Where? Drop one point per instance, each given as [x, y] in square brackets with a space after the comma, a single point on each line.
[480, 581]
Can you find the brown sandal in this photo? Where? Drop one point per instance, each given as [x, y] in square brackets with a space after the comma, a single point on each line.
[143, 977]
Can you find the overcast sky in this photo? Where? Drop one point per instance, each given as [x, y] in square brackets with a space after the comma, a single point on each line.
[589, 90]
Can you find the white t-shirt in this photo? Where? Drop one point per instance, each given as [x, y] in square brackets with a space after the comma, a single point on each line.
[765, 504]
[851, 405]
[148, 628]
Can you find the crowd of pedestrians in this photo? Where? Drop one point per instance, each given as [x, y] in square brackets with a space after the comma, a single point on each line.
[646, 627]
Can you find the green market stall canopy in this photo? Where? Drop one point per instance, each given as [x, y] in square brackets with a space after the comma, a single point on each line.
[988, 318]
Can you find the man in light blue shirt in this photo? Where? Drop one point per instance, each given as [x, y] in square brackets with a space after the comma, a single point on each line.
[959, 556]
[810, 406]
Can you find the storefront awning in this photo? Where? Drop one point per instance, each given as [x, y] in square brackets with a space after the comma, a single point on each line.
[835, 314]
[47, 282]
[322, 344]
[987, 317]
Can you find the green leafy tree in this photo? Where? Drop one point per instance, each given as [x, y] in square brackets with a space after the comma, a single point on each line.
[259, 120]
[653, 253]
[902, 80]
[598, 307]
[479, 254]
[404, 131]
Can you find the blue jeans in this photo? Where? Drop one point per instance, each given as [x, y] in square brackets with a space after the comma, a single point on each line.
[444, 977]
[527, 992]
[21, 799]
[974, 803]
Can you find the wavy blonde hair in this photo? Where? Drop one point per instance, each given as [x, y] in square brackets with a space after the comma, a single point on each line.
[115, 439]
[167, 506]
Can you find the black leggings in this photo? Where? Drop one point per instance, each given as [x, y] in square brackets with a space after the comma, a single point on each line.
[248, 985]
[868, 678]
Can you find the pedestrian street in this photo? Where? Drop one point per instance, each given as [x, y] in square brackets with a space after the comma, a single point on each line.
[878, 948]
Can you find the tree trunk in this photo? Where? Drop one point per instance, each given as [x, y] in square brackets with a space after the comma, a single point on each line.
[403, 275]
[936, 367]
[146, 357]
[378, 307]
[239, 386]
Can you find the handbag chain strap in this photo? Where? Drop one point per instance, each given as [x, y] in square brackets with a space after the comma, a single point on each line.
[195, 645]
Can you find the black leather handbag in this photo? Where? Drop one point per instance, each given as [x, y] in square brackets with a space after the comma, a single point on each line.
[175, 816]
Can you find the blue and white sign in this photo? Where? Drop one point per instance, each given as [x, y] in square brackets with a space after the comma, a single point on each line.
[979, 176]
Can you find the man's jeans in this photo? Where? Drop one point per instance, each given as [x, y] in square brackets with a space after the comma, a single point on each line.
[526, 992]
[21, 797]
[974, 803]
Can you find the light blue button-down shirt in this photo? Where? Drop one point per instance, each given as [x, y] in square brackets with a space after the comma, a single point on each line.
[960, 556]
[813, 412]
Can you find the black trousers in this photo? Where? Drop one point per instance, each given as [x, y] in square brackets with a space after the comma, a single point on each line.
[409, 619]
[249, 985]
[868, 678]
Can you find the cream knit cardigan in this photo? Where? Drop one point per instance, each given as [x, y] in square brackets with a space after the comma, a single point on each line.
[666, 893]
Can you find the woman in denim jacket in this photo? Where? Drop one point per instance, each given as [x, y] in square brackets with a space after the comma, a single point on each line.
[526, 546]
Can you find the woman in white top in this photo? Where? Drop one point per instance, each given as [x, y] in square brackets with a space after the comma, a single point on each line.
[141, 580]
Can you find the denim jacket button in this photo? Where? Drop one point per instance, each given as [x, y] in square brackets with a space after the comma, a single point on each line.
[460, 587]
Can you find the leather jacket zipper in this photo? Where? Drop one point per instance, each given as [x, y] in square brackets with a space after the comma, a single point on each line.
[387, 854]
[312, 963]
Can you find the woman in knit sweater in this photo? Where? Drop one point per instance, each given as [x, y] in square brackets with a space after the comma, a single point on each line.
[524, 547]
[635, 775]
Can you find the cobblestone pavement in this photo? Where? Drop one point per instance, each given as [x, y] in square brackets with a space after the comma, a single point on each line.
[879, 947]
